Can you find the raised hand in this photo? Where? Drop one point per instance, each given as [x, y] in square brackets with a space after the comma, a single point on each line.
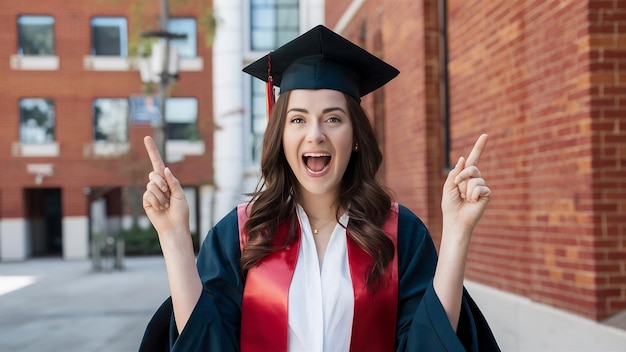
[164, 200]
[465, 193]
[166, 206]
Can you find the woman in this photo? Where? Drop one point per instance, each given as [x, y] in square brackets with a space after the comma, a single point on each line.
[320, 259]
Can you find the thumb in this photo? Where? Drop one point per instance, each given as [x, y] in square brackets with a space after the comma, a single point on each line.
[454, 173]
[172, 182]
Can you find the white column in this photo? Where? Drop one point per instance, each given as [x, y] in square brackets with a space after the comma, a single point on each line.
[75, 237]
[13, 240]
[311, 14]
[228, 104]
[206, 196]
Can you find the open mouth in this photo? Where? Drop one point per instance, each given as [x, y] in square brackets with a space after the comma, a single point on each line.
[316, 162]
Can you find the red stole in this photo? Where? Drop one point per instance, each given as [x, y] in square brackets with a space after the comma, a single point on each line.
[264, 319]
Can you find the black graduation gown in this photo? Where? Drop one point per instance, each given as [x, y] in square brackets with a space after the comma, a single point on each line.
[422, 324]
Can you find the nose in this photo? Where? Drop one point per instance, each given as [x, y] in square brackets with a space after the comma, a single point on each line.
[315, 133]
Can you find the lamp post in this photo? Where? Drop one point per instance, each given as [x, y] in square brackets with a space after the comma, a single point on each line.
[161, 68]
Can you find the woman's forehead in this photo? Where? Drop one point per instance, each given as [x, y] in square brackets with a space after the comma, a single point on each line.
[317, 97]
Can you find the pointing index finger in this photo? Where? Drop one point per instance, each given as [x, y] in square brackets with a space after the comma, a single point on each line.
[155, 158]
[477, 151]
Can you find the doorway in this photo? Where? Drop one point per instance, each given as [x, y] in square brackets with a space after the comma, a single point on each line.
[44, 221]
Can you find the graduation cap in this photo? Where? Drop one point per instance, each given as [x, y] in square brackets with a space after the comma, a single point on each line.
[322, 59]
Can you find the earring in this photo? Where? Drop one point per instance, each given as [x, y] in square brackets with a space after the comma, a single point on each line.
[355, 147]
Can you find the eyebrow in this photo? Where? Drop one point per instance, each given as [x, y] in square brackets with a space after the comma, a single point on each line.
[325, 111]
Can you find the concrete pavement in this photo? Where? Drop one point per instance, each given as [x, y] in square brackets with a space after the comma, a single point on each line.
[56, 305]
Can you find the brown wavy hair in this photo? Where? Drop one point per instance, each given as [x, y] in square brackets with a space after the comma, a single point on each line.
[367, 202]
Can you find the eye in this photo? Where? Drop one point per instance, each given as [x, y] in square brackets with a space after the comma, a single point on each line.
[297, 119]
[333, 119]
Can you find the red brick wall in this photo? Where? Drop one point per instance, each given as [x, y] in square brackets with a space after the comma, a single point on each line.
[607, 60]
[536, 76]
[546, 81]
[73, 89]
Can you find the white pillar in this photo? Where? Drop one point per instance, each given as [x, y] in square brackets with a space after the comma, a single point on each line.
[75, 237]
[14, 242]
[311, 14]
[229, 102]
[228, 106]
[206, 196]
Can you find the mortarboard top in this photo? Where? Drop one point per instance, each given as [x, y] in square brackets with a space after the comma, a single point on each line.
[322, 59]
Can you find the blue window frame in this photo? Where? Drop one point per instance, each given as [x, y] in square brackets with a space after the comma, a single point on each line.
[181, 116]
[110, 118]
[109, 36]
[37, 120]
[35, 35]
[273, 23]
[186, 47]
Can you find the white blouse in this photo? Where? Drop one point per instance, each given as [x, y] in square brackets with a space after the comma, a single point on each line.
[321, 299]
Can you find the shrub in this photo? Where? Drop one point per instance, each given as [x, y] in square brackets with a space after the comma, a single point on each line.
[140, 241]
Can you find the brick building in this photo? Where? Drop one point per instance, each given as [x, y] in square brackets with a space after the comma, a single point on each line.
[73, 119]
[547, 81]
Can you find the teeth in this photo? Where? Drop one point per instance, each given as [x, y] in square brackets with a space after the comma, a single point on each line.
[315, 155]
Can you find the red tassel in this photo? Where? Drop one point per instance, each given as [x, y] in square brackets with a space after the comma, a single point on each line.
[269, 87]
[269, 91]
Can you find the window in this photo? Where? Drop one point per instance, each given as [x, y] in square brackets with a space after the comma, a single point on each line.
[259, 117]
[273, 23]
[181, 115]
[110, 120]
[36, 121]
[185, 47]
[109, 36]
[35, 35]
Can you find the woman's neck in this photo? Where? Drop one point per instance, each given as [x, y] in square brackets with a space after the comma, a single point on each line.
[320, 207]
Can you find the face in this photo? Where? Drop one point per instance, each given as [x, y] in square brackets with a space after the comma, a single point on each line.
[317, 140]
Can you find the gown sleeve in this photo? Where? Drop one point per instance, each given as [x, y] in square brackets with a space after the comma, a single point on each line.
[215, 321]
[422, 321]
